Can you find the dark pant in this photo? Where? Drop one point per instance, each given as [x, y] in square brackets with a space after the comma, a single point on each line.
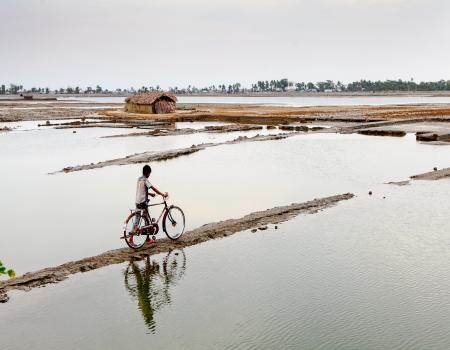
[141, 206]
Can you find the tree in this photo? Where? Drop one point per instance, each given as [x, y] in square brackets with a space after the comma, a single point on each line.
[311, 86]
[5, 271]
[13, 89]
[98, 89]
[300, 86]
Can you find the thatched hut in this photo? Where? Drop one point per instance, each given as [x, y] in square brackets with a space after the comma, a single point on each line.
[151, 102]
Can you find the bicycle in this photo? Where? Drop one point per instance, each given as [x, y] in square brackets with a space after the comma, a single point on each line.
[173, 224]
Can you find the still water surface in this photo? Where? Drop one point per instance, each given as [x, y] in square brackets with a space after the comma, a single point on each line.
[370, 273]
[50, 219]
[295, 101]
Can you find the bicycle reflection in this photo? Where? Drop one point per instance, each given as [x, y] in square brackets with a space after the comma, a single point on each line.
[149, 282]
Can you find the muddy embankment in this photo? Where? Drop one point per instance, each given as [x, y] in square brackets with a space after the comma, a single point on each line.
[154, 156]
[256, 114]
[433, 175]
[428, 176]
[235, 113]
[204, 233]
[158, 131]
[14, 115]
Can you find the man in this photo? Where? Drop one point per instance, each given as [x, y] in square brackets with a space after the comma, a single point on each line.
[143, 186]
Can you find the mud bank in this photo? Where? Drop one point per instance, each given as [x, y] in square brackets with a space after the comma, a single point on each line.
[433, 175]
[257, 114]
[156, 132]
[429, 176]
[202, 234]
[392, 133]
[146, 157]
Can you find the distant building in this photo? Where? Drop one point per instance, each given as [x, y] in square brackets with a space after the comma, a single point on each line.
[151, 103]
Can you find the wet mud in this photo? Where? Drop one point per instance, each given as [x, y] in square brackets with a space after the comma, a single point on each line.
[188, 131]
[433, 175]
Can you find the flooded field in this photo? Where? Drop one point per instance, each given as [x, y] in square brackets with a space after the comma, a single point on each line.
[367, 273]
[81, 214]
[294, 101]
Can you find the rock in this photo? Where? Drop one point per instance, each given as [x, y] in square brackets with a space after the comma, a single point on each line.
[370, 193]
[271, 127]
[47, 122]
[262, 228]
[276, 227]
[435, 169]
[74, 132]
[254, 230]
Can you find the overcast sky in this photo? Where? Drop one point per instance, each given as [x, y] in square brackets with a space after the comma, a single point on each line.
[123, 43]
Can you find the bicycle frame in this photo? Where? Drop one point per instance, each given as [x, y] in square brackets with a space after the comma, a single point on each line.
[144, 211]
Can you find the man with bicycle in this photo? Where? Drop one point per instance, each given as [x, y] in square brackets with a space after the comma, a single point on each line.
[142, 188]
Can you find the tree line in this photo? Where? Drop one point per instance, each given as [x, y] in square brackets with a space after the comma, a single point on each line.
[281, 85]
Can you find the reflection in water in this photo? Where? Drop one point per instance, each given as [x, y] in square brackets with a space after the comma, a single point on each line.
[149, 282]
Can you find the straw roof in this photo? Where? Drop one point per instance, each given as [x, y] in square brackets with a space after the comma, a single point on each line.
[148, 98]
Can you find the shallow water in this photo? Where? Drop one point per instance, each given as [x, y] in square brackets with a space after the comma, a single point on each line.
[370, 273]
[295, 101]
[50, 219]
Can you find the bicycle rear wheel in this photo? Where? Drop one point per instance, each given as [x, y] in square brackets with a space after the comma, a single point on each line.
[174, 222]
[135, 240]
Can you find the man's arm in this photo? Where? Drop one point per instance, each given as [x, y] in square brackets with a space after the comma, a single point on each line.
[164, 194]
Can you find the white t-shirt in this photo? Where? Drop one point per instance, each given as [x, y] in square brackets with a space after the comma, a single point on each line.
[143, 185]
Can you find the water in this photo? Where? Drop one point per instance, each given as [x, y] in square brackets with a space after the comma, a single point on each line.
[370, 273]
[295, 101]
[56, 218]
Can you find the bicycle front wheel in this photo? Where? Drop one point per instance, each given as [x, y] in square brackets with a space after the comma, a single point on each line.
[174, 222]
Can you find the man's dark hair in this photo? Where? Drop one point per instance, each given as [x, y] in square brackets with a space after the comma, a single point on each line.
[146, 169]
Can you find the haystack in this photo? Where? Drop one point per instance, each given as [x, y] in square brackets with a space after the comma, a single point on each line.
[151, 102]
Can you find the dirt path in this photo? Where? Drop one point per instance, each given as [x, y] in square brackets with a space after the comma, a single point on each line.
[146, 157]
[204, 233]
